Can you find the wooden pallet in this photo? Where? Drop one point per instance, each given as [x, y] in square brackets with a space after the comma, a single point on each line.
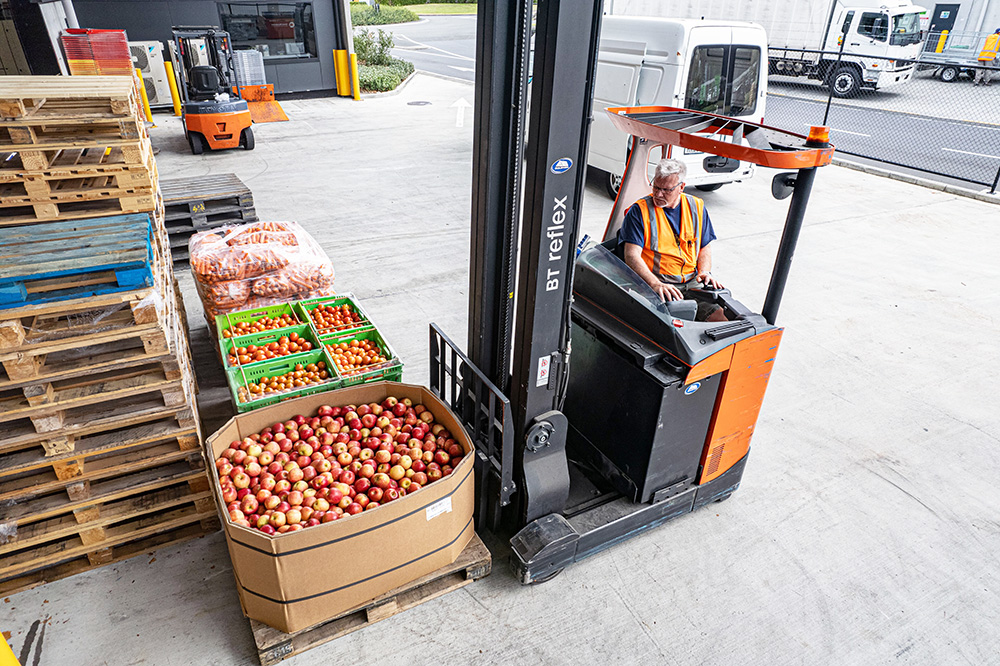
[119, 204]
[120, 541]
[91, 520]
[66, 400]
[118, 553]
[51, 97]
[474, 563]
[78, 164]
[152, 436]
[84, 132]
[69, 259]
[75, 160]
[30, 190]
[205, 202]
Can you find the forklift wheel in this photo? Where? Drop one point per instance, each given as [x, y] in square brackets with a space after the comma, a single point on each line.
[246, 139]
[196, 142]
[539, 581]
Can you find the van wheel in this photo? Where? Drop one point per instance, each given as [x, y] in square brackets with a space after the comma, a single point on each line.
[613, 183]
[949, 74]
[845, 82]
[709, 188]
[246, 139]
[197, 143]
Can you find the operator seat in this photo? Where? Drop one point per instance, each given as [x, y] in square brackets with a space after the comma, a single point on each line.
[205, 83]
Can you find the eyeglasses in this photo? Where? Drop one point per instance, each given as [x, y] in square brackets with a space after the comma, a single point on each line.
[667, 190]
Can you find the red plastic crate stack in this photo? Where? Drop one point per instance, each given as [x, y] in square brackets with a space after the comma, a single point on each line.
[102, 52]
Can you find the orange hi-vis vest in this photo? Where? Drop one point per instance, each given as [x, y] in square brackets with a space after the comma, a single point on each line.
[673, 258]
[990, 48]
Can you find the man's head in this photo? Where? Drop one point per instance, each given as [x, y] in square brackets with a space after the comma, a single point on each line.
[668, 183]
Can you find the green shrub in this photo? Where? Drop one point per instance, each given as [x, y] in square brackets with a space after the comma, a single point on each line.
[372, 49]
[382, 78]
[362, 14]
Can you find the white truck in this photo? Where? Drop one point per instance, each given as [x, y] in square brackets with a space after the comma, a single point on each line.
[881, 39]
[709, 66]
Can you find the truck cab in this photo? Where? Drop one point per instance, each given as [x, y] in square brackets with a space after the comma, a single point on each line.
[709, 66]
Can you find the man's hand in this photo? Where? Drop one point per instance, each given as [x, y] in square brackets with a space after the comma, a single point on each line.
[667, 292]
[709, 281]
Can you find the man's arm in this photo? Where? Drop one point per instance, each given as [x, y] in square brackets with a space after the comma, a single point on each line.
[633, 257]
[705, 268]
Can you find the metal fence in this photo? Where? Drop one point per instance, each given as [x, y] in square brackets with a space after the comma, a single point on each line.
[928, 115]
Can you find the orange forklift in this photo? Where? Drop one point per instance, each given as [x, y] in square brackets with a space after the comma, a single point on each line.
[598, 411]
[212, 116]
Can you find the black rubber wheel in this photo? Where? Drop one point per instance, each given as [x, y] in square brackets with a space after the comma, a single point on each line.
[709, 188]
[197, 143]
[613, 182]
[246, 139]
[845, 82]
[949, 74]
[539, 581]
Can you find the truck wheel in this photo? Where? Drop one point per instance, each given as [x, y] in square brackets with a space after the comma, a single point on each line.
[845, 82]
[197, 143]
[246, 139]
[709, 188]
[949, 74]
[613, 183]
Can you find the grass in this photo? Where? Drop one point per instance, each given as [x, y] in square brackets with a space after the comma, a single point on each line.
[444, 8]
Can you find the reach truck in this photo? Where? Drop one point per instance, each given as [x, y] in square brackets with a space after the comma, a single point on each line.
[213, 117]
[597, 411]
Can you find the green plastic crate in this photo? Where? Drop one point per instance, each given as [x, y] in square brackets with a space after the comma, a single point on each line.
[260, 339]
[222, 322]
[390, 370]
[242, 375]
[303, 308]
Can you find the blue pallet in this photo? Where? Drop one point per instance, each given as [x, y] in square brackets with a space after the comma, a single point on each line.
[43, 263]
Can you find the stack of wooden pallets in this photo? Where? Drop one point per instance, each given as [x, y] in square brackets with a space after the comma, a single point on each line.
[100, 447]
[198, 203]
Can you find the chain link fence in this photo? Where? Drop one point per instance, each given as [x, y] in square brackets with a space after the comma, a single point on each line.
[935, 115]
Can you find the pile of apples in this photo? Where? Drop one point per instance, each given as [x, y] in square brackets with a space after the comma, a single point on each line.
[338, 463]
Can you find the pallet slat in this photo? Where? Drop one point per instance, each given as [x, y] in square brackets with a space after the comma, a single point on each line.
[474, 563]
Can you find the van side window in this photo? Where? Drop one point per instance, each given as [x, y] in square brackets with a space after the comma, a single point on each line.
[705, 90]
[873, 25]
[746, 75]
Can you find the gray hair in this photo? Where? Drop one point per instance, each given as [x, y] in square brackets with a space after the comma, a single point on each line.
[670, 167]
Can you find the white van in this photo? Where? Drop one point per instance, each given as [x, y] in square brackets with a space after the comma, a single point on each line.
[710, 66]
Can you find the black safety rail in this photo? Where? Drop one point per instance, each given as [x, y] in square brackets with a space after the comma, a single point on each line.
[486, 414]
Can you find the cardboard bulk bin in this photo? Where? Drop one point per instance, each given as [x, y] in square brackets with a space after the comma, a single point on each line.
[299, 579]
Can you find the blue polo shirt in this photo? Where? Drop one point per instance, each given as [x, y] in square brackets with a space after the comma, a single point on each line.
[632, 228]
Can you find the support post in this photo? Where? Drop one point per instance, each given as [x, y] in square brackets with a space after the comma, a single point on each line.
[789, 238]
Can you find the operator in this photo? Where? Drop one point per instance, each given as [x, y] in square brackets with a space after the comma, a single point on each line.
[988, 58]
[667, 237]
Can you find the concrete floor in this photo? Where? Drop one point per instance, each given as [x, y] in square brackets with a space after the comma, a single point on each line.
[866, 528]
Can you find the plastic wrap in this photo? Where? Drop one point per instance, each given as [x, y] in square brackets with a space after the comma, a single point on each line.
[258, 264]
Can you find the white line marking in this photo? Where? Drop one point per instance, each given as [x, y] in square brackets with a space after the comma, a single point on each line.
[965, 152]
[447, 54]
[462, 69]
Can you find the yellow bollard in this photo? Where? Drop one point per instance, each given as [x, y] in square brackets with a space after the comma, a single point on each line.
[941, 40]
[342, 69]
[174, 95]
[355, 82]
[145, 98]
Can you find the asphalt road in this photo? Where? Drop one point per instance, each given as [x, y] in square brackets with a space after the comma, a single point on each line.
[923, 127]
[443, 45]
[963, 149]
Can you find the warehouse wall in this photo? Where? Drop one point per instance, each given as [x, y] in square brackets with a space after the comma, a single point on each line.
[153, 19]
